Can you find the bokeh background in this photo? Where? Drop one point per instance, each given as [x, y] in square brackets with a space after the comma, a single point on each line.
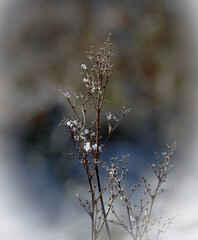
[42, 45]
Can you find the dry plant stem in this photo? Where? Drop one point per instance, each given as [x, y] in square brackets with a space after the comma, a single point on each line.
[97, 171]
[102, 204]
[86, 139]
[128, 213]
[108, 210]
[93, 236]
[151, 205]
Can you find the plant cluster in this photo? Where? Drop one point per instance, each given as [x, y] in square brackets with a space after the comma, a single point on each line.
[89, 145]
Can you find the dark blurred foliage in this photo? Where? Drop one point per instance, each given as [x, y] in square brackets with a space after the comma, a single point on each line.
[44, 44]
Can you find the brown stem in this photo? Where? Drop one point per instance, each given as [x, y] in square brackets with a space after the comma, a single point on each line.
[108, 210]
[93, 235]
[97, 171]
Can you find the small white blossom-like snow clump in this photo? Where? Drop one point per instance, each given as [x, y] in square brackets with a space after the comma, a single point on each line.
[109, 116]
[112, 171]
[68, 123]
[83, 66]
[67, 95]
[87, 147]
[93, 88]
[86, 131]
[85, 80]
[94, 147]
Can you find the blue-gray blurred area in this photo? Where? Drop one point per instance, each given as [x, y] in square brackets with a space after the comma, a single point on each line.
[43, 43]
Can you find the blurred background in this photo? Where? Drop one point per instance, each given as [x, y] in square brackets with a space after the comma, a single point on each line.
[42, 45]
